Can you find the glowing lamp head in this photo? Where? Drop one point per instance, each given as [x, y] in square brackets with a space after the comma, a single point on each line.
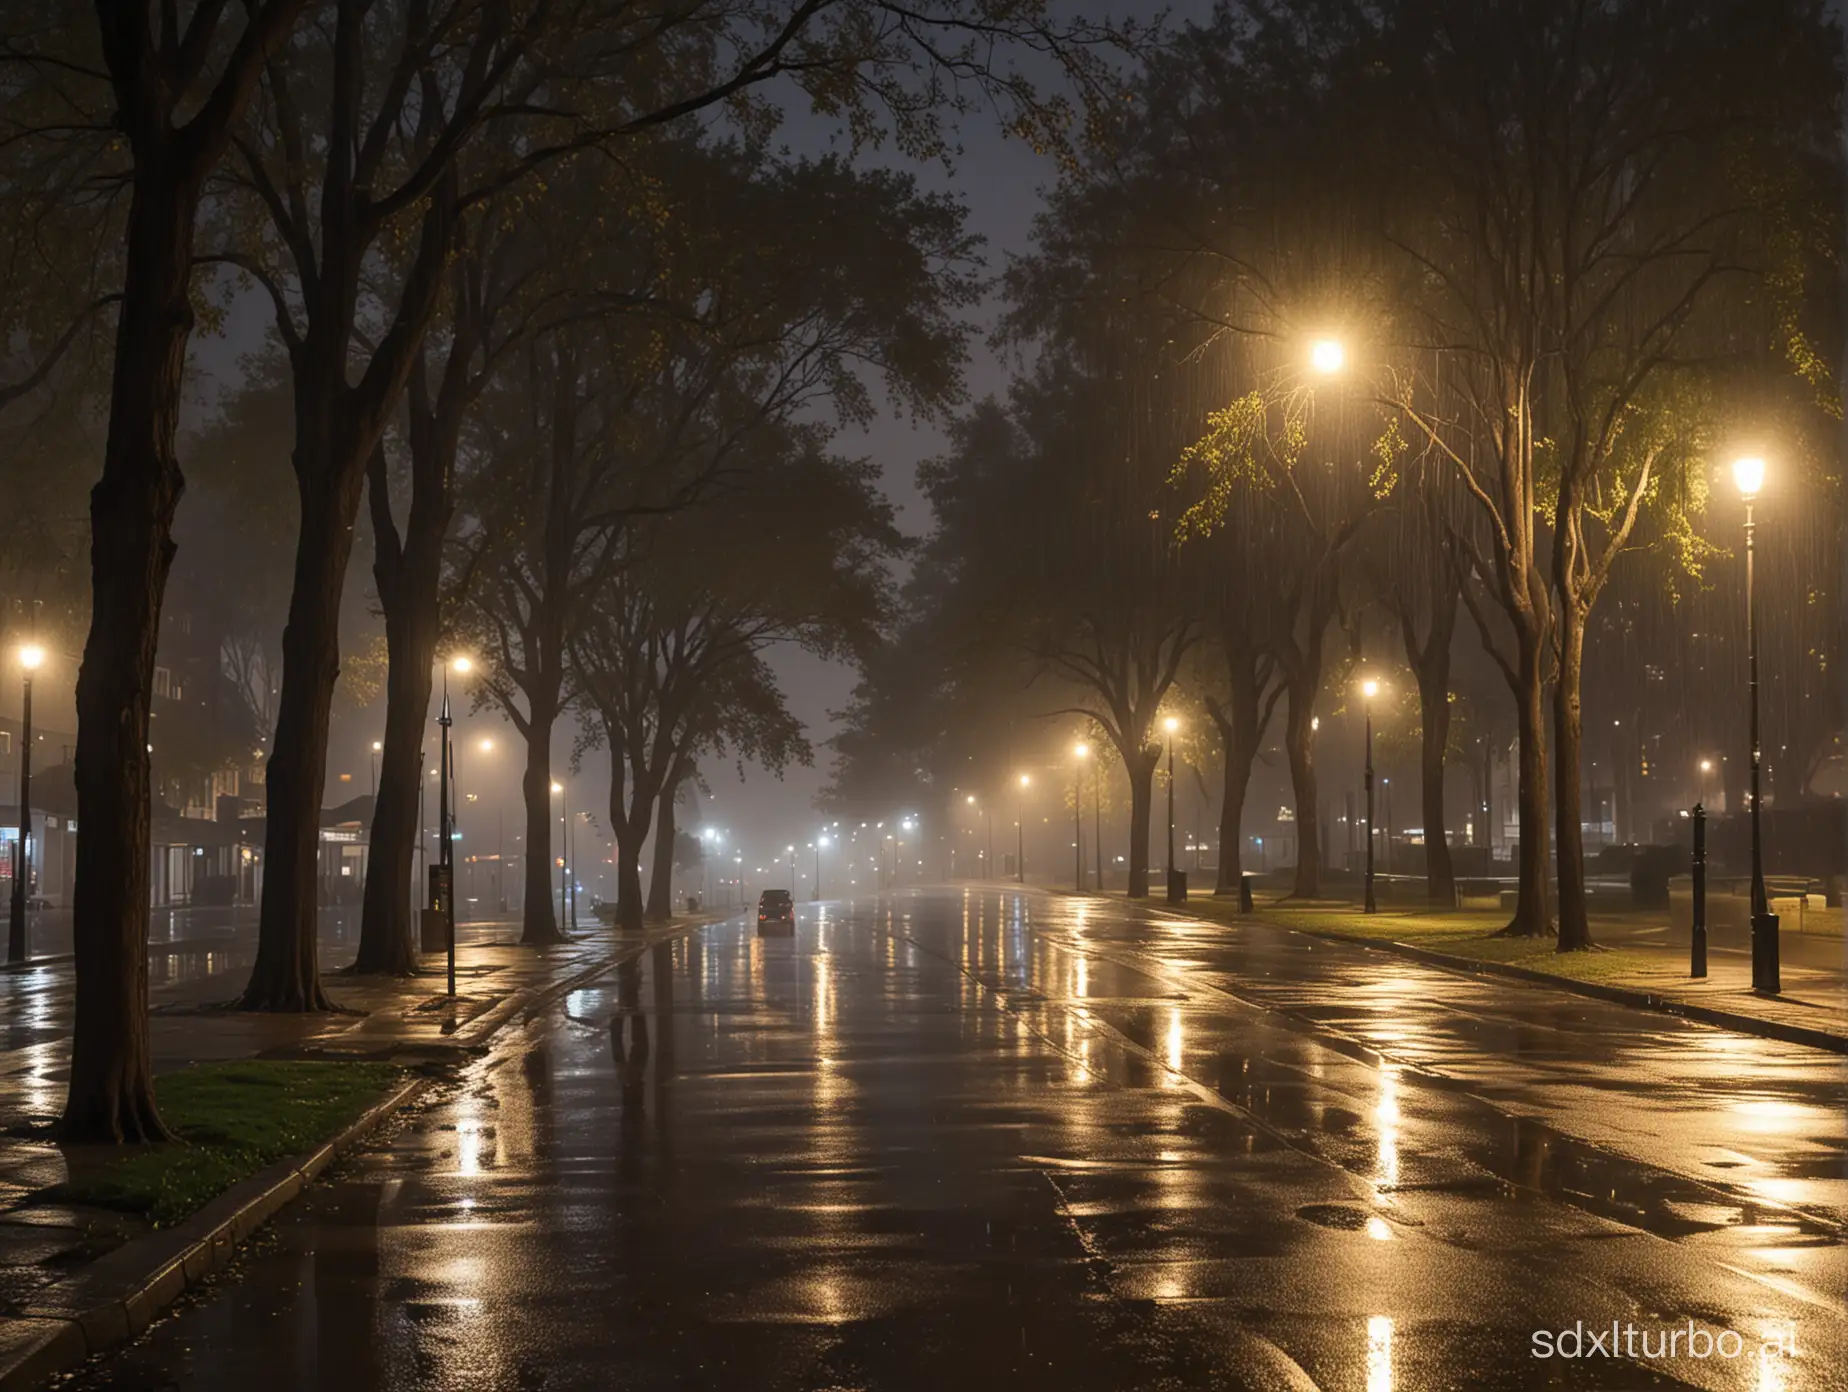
[1706, 766]
[378, 746]
[1327, 356]
[1369, 688]
[822, 842]
[970, 799]
[462, 665]
[32, 657]
[1025, 779]
[1749, 476]
[1082, 751]
[1171, 724]
[558, 787]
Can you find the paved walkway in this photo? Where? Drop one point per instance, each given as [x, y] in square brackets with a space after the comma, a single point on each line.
[405, 1018]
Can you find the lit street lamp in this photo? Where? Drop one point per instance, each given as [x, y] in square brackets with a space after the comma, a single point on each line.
[377, 745]
[1080, 752]
[1749, 475]
[792, 872]
[564, 869]
[1327, 356]
[446, 850]
[1020, 830]
[31, 658]
[820, 841]
[1368, 690]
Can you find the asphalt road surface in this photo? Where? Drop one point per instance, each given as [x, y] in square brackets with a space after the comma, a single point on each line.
[986, 1139]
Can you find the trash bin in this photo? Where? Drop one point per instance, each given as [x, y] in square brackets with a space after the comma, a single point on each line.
[1177, 886]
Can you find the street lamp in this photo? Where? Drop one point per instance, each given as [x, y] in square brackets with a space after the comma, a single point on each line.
[792, 872]
[820, 841]
[1020, 830]
[1327, 356]
[1706, 767]
[1368, 690]
[1749, 476]
[564, 869]
[1171, 725]
[31, 658]
[1080, 752]
[377, 747]
[446, 852]
[988, 814]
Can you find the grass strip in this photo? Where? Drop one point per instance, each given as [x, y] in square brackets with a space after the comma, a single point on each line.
[232, 1119]
[1469, 933]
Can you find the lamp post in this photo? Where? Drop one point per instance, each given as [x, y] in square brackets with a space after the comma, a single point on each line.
[1171, 725]
[1080, 752]
[1706, 767]
[792, 872]
[820, 841]
[377, 745]
[446, 845]
[1749, 475]
[31, 657]
[1020, 830]
[1097, 821]
[563, 807]
[1368, 690]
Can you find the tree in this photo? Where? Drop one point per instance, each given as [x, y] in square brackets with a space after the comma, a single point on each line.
[180, 88]
[794, 291]
[400, 98]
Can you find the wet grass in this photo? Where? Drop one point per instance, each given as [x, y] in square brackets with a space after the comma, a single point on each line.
[233, 1119]
[1469, 933]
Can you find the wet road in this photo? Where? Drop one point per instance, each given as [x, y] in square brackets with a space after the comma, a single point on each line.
[1005, 1140]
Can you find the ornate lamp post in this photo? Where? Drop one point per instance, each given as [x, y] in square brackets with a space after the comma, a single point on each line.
[1749, 475]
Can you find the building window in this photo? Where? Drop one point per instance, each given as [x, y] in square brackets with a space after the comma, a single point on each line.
[163, 683]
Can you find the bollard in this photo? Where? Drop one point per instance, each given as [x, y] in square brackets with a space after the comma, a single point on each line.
[1697, 964]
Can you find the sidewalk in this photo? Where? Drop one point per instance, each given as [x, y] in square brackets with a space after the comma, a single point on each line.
[56, 1257]
[1635, 962]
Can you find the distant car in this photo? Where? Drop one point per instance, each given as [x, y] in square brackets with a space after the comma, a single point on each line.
[776, 912]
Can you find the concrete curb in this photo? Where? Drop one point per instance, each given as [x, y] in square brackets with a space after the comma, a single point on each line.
[116, 1297]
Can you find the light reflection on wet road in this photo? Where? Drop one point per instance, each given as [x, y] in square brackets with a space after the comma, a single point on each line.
[1020, 1141]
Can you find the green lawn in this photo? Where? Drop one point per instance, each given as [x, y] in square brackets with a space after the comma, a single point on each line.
[1460, 932]
[232, 1119]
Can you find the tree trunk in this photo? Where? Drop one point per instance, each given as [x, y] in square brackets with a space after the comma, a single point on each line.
[1299, 741]
[1532, 914]
[386, 943]
[111, 1094]
[1141, 772]
[1440, 873]
[1568, 734]
[539, 925]
[661, 881]
[286, 976]
[408, 576]
[1231, 822]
